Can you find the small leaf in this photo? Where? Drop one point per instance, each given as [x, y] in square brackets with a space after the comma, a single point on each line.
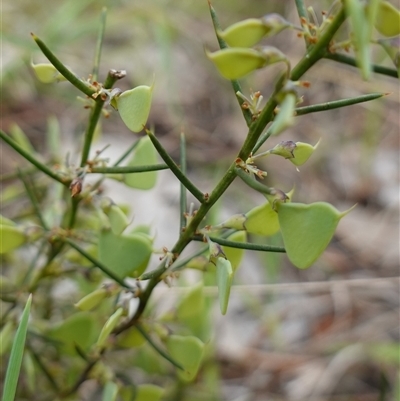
[110, 391]
[47, 73]
[236, 221]
[134, 106]
[92, 300]
[262, 220]
[109, 326]
[224, 282]
[192, 303]
[235, 63]
[188, 351]
[130, 338]
[17, 352]
[149, 392]
[307, 230]
[235, 255]
[285, 116]
[21, 139]
[125, 255]
[145, 154]
[78, 329]
[387, 21]
[11, 237]
[302, 152]
[249, 32]
[117, 218]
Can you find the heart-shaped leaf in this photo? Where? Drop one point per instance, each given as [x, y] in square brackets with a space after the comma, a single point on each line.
[224, 282]
[145, 154]
[387, 21]
[134, 106]
[125, 255]
[262, 220]
[307, 230]
[187, 351]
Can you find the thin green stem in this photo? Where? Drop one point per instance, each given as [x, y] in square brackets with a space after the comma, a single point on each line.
[337, 103]
[262, 139]
[127, 169]
[175, 169]
[32, 197]
[126, 154]
[39, 165]
[301, 9]
[159, 350]
[242, 245]
[96, 262]
[252, 183]
[341, 58]
[93, 121]
[83, 86]
[99, 44]
[182, 197]
[235, 84]
[73, 212]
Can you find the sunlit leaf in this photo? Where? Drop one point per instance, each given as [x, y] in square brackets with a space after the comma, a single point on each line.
[262, 220]
[387, 21]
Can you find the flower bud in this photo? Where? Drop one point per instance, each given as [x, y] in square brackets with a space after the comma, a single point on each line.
[76, 186]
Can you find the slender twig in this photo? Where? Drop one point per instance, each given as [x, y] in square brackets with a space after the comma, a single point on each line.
[32, 197]
[44, 369]
[93, 121]
[341, 58]
[96, 262]
[83, 86]
[159, 350]
[128, 169]
[301, 9]
[252, 183]
[262, 139]
[337, 103]
[175, 169]
[99, 44]
[126, 154]
[73, 212]
[40, 166]
[183, 197]
[242, 245]
[235, 84]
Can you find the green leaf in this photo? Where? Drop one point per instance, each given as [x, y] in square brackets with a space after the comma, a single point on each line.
[17, 352]
[262, 220]
[11, 237]
[302, 152]
[110, 391]
[90, 301]
[134, 106]
[235, 63]
[47, 73]
[235, 255]
[307, 230]
[224, 282]
[116, 217]
[109, 326]
[78, 329]
[249, 32]
[145, 154]
[6, 222]
[131, 338]
[188, 351]
[21, 139]
[125, 255]
[387, 21]
[192, 303]
[149, 392]
[285, 116]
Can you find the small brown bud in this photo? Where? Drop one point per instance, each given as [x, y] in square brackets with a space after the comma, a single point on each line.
[76, 186]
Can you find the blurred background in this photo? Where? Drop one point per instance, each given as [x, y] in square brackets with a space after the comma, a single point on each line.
[289, 334]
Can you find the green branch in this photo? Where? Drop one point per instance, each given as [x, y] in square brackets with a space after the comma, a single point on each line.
[127, 169]
[99, 44]
[242, 245]
[341, 58]
[83, 86]
[252, 183]
[337, 103]
[40, 166]
[182, 194]
[175, 169]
